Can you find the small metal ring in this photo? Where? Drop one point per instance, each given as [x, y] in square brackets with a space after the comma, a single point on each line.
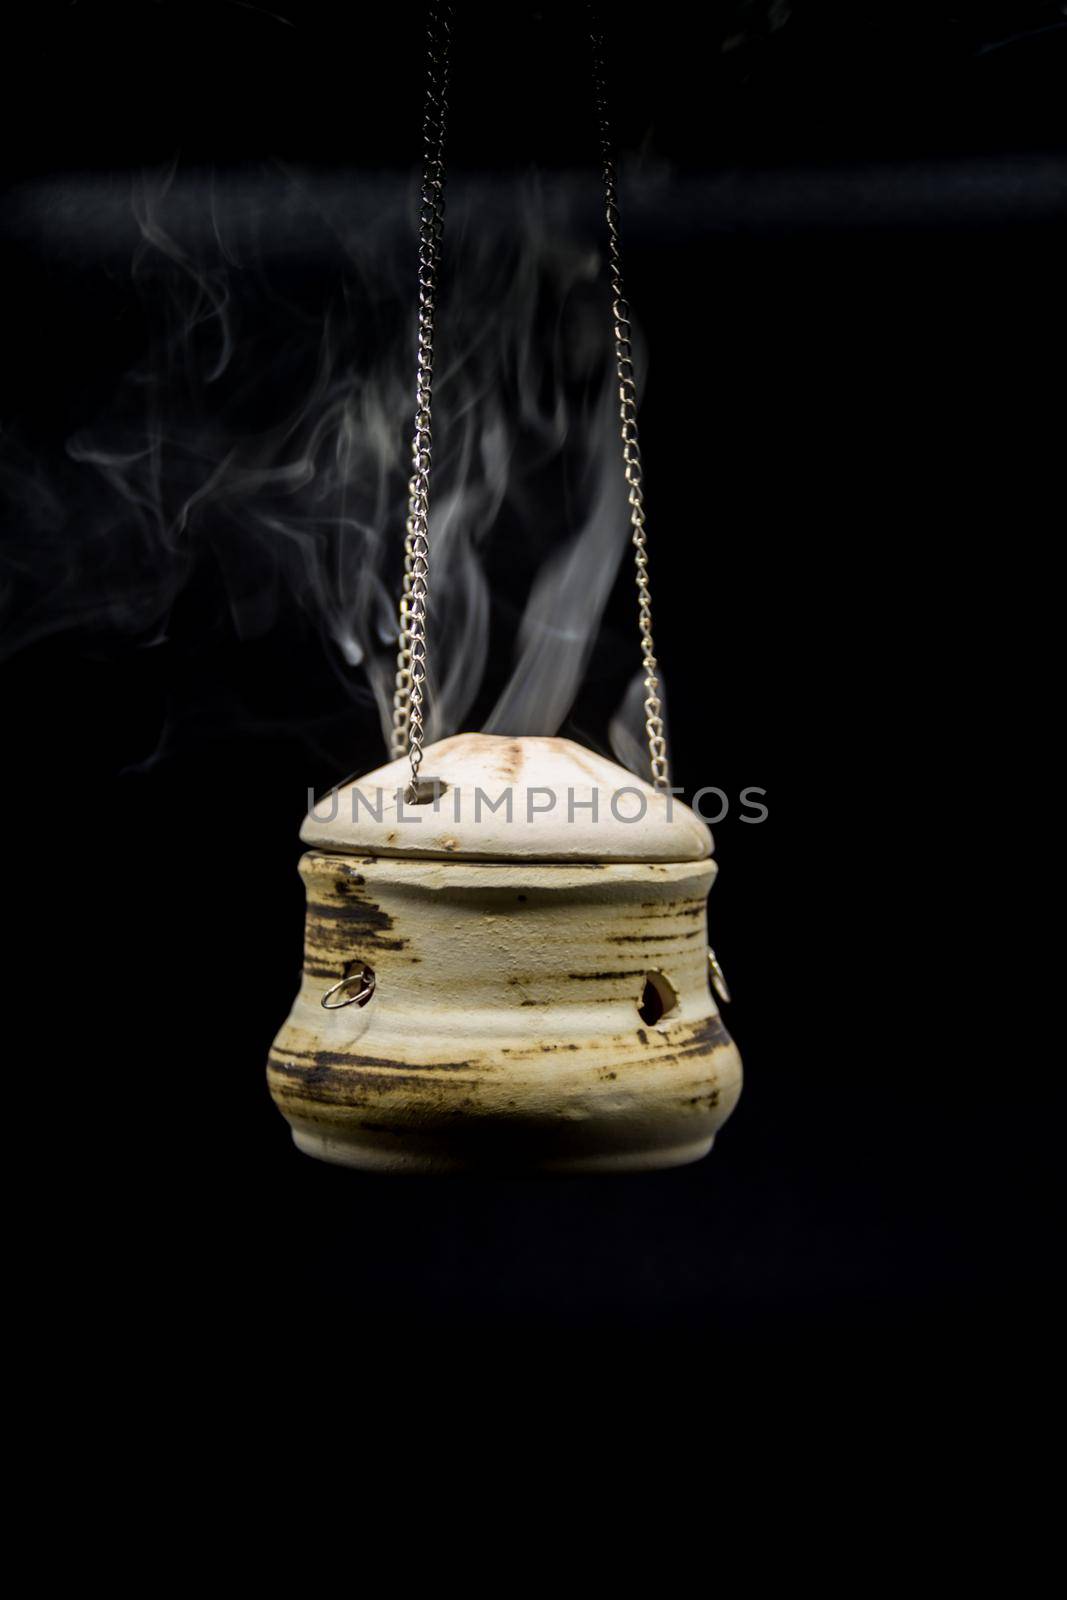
[362, 977]
[718, 977]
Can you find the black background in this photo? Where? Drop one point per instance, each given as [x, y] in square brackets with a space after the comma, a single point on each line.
[844, 428]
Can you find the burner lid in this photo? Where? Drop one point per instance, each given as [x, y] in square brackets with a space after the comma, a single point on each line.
[542, 791]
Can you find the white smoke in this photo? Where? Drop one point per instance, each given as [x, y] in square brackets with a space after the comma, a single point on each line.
[265, 430]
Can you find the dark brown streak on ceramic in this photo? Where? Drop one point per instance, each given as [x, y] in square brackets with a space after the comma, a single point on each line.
[601, 977]
[296, 1062]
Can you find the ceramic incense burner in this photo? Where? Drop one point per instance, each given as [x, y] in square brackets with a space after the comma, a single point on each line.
[512, 976]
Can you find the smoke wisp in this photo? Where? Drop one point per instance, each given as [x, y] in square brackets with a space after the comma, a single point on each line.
[263, 428]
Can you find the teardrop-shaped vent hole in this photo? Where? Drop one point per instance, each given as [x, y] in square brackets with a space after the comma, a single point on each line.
[658, 999]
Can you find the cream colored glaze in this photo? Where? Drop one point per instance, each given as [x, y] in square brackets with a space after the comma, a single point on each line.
[504, 1030]
[525, 774]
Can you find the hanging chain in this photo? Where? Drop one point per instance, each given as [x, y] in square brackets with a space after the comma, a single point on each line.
[411, 654]
[631, 451]
[410, 687]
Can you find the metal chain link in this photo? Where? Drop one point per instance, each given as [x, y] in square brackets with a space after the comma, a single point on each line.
[408, 697]
[410, 685]
[631, 453]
